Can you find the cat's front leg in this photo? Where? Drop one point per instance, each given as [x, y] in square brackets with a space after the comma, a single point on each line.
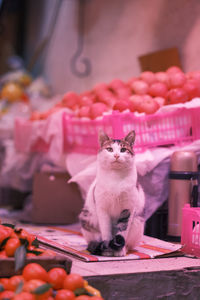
[120, 230]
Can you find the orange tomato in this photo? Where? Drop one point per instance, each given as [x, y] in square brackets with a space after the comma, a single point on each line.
[4, 234]
[3, 254]
[14, 281]
[6, 295]
[24, 296]
[31, 285]
[56, 277]
[73, 281]
[4, 282]
[11, 245]
[34, 271]
[65, 295]
[96, 298]
[83, 297]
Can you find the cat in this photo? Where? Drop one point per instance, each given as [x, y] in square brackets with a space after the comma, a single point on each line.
[112, 219]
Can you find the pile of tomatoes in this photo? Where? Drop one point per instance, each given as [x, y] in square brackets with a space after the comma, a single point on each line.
[145, 93]
[35, 283]
[13, 240]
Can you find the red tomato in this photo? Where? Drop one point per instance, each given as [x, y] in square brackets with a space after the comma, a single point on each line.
[158, 89]
[160, 100]
[173, 69]
[121, 105]
[140, 87]
[34, 271]
[149, 106]
[97, 109]
[56, 277]
[176, 79]
[71, 100]
[136, 101]
[192, 88]
[148, 76]
[177, 95]
[73, 281]
[63, 294]
[84, 112]
[162, 77]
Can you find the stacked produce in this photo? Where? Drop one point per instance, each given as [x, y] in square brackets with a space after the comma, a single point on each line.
[18, 243]
[144, 94]
[35, 283]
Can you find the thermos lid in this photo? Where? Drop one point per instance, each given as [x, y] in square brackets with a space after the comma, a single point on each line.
[184, 161]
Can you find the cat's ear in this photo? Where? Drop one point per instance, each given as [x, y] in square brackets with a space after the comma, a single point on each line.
[103, 137]
[130, 138]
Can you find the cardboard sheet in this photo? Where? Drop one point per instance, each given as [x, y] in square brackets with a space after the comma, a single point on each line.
[73, 243]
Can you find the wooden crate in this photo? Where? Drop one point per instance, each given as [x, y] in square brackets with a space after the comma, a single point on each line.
[7, 265]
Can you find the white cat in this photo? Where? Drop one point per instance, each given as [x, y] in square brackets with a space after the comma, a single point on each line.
[112, 218]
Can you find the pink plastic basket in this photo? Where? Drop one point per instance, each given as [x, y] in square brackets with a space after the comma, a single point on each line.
[171, 128]
[24, 132]
[190, 235]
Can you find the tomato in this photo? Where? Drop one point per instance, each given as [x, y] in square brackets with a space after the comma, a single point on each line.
[73, 281]
[173, 69]
[63, 294]
[14, 281]
[140, 87]
[56, 277]
[162, 77]
[158, 89]
[24, 296]
[4, 282]
[96, 298]
[149, 105]
[11, 245]
[4, 234]
[84, 112]
[148, 76]
[136, 101]
[160, 100]
[6, 295]
[83, 297]
[34, 271]
[3, 254]
[192, 88]
[177, 80]
[31, 285]
[177, 95]
[97, 109]
[121, 105]
[71, 100]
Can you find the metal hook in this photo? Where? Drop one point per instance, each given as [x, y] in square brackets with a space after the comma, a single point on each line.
[74, 60]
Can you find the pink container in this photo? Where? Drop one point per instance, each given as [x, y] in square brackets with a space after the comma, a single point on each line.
[26, 138]
[172, 128]
[190, 236]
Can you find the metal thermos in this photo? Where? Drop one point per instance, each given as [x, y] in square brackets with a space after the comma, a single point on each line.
[183, 188]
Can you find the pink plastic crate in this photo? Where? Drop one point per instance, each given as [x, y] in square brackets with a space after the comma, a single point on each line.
[171, 128]
[24, 132]
[190, 236]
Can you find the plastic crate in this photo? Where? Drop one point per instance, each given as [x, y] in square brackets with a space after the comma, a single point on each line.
[190, 235]
[30, 136]
[169, 128]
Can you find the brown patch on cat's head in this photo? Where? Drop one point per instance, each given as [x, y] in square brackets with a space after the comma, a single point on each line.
[127, 142]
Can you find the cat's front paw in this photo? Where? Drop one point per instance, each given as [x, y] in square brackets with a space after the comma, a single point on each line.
[122, 252]
[117, 243]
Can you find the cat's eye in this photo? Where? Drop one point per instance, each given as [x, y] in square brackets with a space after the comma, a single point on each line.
[123, 149]
[109, 149]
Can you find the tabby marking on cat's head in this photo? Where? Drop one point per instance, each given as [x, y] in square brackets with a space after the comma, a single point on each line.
[126, 143]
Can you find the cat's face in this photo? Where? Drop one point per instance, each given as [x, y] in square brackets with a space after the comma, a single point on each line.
[116, 154]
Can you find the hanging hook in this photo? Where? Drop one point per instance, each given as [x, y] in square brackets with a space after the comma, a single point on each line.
[74, 60]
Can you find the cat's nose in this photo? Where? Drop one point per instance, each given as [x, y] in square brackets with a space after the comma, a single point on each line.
[116, 155]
